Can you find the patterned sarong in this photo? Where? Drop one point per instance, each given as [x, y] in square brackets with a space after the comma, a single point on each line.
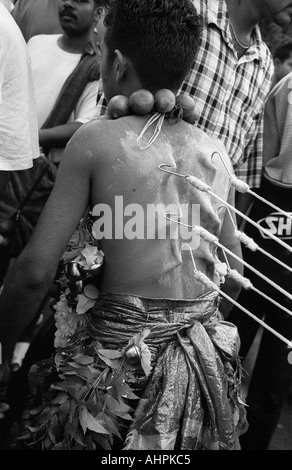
[192, 397]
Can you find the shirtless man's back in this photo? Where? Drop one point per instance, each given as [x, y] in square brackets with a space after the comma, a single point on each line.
[140, 238]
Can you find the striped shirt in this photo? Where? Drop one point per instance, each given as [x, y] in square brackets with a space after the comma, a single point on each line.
[230, 92]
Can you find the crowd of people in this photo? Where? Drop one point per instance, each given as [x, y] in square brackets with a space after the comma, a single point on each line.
[167, 122]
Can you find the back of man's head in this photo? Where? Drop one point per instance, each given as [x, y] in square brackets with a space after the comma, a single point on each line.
[160, 37]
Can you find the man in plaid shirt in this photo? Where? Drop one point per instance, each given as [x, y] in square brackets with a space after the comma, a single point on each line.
[231, 77]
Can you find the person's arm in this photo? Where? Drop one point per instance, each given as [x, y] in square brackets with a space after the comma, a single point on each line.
[31, 275]
[59, 136]
[227, 238]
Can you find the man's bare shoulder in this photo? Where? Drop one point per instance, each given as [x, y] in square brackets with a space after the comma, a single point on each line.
[96, 142]
[91, 136]
[100, 128]
[92, 128]
[103, 135]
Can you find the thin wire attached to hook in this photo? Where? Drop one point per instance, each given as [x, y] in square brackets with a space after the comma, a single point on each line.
[262, 323]
[247, 284]
[250, 243]
[244, 188]
[201, 277]
[248, 219]
[210, 238]
[201, 186]
[258, 273]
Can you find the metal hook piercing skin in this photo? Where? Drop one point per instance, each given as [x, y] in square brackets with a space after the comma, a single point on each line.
[197, 183]
[169, 171]
[192, 256]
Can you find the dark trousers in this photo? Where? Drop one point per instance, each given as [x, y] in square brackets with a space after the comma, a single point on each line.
[271, 380]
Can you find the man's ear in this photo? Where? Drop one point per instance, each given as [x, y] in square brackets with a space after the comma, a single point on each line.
[120, 65]
[98, 13]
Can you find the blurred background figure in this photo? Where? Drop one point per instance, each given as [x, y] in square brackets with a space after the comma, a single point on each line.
[66, 98]
[37, 17]
[282, 60]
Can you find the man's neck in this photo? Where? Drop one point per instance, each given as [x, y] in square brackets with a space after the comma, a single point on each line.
[244, 16]
[74, 44]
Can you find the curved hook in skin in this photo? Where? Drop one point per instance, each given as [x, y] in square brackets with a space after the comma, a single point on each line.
[185, 245]
[169, 171]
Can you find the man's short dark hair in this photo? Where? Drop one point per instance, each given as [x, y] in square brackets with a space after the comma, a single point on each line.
[160, 37]
[283, 50]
